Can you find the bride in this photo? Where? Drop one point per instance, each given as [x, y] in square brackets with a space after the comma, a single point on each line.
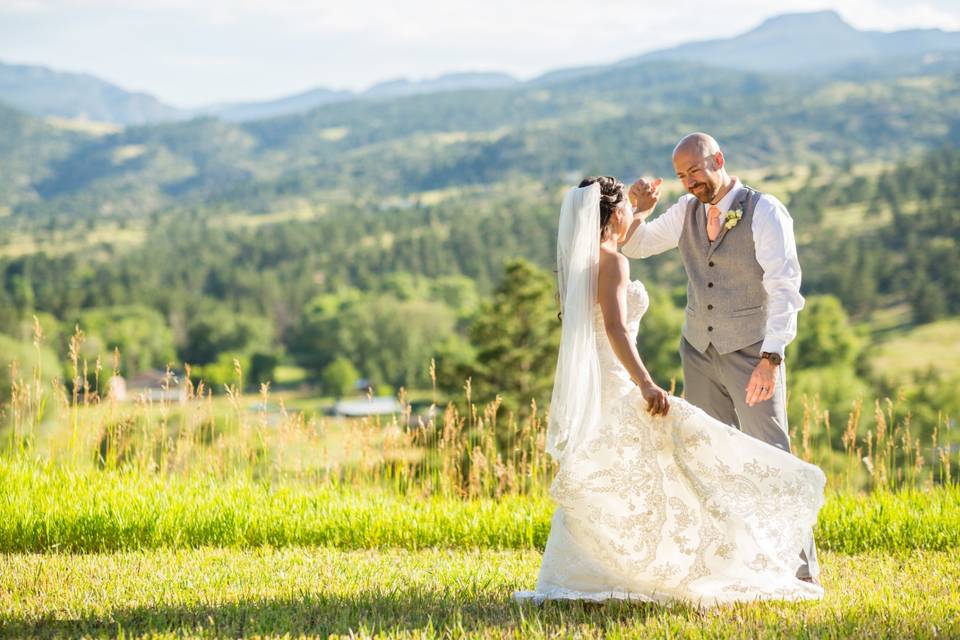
[657, 501]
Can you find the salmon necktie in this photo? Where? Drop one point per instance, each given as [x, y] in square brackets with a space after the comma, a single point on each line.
[713, 223]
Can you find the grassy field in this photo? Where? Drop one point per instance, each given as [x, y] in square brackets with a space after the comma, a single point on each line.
[14, 245]
[319, 592]
[124, 511]
[930, 346]
[213, 517]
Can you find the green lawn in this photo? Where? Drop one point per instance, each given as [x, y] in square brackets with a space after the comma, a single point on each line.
[109, 511]
[935, 345]
[319, 591]
[108, 553]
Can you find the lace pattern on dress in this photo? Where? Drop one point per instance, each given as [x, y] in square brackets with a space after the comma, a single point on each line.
[676, 507]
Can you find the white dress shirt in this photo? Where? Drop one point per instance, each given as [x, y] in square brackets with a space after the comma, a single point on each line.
[776, 249]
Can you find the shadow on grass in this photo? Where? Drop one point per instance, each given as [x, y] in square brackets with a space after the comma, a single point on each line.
[318, 614]
[457, 612]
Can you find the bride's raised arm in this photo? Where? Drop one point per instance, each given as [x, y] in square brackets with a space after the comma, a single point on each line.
[612, 281]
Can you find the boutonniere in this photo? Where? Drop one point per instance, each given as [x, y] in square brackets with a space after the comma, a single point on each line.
[732, 218]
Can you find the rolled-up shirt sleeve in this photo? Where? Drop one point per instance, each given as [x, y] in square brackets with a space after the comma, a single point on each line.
[777, 254]
[658, 235]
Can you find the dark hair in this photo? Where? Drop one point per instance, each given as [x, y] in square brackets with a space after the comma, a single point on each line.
[611, 198]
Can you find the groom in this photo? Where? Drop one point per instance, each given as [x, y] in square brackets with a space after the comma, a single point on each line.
[743, 292]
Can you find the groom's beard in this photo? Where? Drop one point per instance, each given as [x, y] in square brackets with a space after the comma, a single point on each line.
[703, 192]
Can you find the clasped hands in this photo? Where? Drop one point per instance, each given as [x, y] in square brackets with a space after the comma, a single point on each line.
[644, 194]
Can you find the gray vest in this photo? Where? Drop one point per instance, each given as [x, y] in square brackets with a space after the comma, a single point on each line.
[726, 301]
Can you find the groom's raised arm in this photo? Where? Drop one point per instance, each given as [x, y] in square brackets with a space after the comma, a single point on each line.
[661, 234]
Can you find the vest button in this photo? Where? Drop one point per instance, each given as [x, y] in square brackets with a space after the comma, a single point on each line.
[710, 285]
[709, 328]
[711, 263]
[710, 306]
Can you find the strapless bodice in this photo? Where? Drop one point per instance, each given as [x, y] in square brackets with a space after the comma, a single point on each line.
[614, 377]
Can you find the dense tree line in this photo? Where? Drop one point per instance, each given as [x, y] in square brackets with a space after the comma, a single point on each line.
[387, 289]
[908, 251]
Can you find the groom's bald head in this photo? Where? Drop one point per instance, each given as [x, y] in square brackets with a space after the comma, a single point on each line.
[700, 144]
[699, 164]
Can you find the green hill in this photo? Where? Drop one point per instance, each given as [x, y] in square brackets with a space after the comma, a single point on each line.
[622, 121]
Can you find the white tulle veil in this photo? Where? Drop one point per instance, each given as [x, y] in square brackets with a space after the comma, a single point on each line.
[575, 404]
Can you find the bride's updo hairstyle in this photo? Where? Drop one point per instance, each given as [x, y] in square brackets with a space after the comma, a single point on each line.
[611, 198]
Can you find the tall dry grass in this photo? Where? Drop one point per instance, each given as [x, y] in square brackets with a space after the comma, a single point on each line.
[454, 449]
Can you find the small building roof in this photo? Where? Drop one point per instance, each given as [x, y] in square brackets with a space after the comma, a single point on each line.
[367, 407]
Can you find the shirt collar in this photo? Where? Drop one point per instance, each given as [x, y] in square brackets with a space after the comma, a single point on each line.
[728, 200]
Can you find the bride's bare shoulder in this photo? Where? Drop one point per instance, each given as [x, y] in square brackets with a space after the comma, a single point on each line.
[613, 264]
[613, 260]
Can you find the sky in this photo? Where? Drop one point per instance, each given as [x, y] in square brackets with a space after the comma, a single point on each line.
[190, 53]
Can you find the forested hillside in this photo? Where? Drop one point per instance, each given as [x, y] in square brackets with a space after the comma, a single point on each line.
[621, 120]
[390, 289]
[369, 237]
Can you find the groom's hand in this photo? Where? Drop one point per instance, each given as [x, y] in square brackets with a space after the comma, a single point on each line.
[762, 382]
[644, 195]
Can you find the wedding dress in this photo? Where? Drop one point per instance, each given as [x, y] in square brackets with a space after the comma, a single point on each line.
[665, 508]
[681, 507]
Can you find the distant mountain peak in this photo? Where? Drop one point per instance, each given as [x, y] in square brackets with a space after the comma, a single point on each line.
[810, 43]
[47, 92]
[826, 19]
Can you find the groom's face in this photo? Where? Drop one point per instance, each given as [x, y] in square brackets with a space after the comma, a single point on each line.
[700, 175]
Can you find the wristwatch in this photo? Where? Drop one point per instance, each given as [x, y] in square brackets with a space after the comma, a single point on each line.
[774, 358]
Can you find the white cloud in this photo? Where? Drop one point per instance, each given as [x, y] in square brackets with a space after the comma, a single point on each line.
[25, 6]
[883, 15]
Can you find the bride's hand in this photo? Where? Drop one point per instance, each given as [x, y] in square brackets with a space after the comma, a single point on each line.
[658, 403]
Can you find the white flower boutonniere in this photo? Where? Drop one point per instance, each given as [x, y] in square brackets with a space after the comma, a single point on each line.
[731, 220]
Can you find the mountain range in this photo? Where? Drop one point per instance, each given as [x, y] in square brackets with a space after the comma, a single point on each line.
[805, 43]
[408, 139]
[44, 92]
[813, 43]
